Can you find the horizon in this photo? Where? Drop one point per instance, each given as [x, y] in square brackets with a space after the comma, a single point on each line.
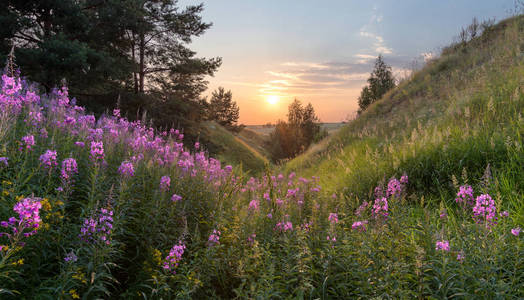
[322, 54]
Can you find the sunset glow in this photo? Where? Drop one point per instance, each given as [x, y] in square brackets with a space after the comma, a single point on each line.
[272, 99]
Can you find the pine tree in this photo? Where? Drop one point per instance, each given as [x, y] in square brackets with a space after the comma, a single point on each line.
[380, 82]
[223, 109]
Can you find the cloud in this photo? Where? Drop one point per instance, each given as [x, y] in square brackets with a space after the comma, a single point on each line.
[369, 29]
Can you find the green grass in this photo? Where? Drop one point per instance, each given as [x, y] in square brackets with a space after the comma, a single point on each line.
[461, 112]
[235, 150]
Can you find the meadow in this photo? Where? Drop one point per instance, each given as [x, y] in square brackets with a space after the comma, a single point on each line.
[420, 197]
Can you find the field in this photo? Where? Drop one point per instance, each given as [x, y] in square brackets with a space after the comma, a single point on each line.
[421, 196]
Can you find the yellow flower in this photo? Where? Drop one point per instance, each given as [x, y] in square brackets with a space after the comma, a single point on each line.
[59, 203]
[74, 294]
[80, 277]
[45, 204]
[6, 182]
[19, 197]
[157, 256]
[5, 193]
[18, 262]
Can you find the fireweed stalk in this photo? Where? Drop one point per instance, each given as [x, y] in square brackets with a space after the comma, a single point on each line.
[24, 226]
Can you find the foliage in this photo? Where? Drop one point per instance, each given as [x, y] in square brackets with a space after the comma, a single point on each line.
[223, 110]
[291, 138]
[380, 81]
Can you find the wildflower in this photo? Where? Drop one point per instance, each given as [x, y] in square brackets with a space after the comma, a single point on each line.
[29, 141]
[69, 167]
[116, 113]
[380, 207]
[28, 210]
[176, 198]
[394, 188]
[80, 144]
[253, 205]
[516, 231]
[228, 168]
[270, 216]
[485, 210]
[165, 183]
[504, 214]
[97, 151]
[465, 196]
[442, 245]
[43, 133]
[359, 225]
[4, 161]
[70, 257]
[48, 159]
[404, 179]
[174, 257]
[443, 214]
[74, 294]
[361, 208]
[460, 256]
[332, 239]
[126, 169]
[197, 145]
[251, 239]
[98, 228]
[283, 226]
[333, 218]
[214, 238]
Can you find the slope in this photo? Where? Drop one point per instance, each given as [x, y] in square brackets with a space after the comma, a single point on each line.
[459, 114]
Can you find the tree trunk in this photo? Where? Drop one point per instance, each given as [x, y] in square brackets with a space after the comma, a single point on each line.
[141, 73]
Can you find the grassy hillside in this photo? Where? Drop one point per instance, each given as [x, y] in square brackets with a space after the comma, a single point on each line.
[235, 150]
[255, 140]
[459, 114]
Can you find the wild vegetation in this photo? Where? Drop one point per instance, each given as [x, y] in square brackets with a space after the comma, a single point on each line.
[420, 196]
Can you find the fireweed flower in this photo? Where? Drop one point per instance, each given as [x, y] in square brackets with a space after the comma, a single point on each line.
[174, 257]
[4, 161]
[442, 245]
[98, 228]
[359, 225]
[214, 238]
[69, 168]
[253, 205]
[97, 151]
[176, 198]
[126, 169]
[516, 231]
[283, 226]
[465, 196]
[484, 210]
[165, 183]
[504, 214]
[394, 188]
[361, 208]
[28, 210]
[70, 257]
[80, 144]
[333, 218]
[380, 207]
[460, 256]
[48, 159]
[28, 142]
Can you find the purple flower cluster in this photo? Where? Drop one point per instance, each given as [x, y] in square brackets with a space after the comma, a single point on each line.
[4, 161]
[28, 142]
[516, 231]
[126, 169]
[359, 225]
[174, 257]
[97, 151]
[214, 238]
[380, 208]
[465, 196]
[176, 198]
[98, 228]
[28, 210]
[69, 168]
[48, 159]
[484, 210]
[333, 218]
[70, 257]
[253, 205]
[442, 245]
[283, 226]
[165, 183]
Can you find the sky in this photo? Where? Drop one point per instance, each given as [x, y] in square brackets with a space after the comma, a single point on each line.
[321, 52]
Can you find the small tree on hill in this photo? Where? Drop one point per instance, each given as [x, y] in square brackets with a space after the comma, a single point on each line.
[223, 109]
[380, 81]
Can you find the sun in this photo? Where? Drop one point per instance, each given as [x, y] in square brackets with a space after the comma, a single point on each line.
[272, 99]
